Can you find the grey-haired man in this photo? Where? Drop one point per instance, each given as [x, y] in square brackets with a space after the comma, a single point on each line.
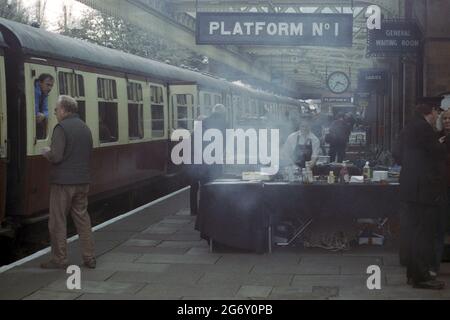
[69, 155]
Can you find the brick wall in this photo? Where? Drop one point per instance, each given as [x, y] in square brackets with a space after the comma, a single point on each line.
[437, 67]
[437, 48]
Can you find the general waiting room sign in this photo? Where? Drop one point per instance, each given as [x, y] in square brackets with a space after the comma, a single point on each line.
[394, 38]
[287, 29]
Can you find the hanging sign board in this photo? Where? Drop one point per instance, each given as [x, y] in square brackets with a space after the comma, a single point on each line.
[394, 38]
[337, 100]
[372, 80]
[287, 29]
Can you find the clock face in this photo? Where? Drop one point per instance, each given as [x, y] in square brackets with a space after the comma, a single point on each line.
[338, 82]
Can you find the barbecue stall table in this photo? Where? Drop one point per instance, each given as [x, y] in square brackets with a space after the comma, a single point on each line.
[241, 214]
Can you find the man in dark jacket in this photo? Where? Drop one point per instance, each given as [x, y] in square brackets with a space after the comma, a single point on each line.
[203, 173]
[423, 191]
[338, 138]
[69, 156]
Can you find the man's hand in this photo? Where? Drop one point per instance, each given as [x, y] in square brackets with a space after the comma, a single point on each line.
[442, 139]
[40, 117]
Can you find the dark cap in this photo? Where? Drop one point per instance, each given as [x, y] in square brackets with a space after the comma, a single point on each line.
[434, 102]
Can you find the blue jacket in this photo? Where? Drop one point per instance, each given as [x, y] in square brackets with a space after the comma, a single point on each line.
[38, 95]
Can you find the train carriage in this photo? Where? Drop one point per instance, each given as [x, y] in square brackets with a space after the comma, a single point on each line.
[3, 131]
[131, 104]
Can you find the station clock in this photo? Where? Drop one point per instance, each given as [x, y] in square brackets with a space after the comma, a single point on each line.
[338, 82]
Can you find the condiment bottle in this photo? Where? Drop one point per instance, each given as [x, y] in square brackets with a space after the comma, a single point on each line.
[331, 178]
[366, 172]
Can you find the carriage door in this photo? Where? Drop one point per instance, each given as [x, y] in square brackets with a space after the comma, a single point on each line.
[183, 106]
[3, 139]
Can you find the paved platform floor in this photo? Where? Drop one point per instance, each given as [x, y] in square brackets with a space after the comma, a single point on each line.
[157, 254]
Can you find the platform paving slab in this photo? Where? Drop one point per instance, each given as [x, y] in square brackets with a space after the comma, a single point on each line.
[221, 278]
[362, 269]
[198, 251]
[340, 260]
[113, 235]
[298, 269]
[165, 290]
[181, 278]
[103, 296]
[18, 284]
[154, 250]
[176, 220]
[52, 295]
[341, 281]
[239, 268]
[109, 287]
[254, 291]
[387, 293]
[178, 258]
[160, 230]
[183, 244]
[302, 293]
[132, 267]
[126, 226]
[258, 259]
[141, 243]
[184, 237]
[119, 257]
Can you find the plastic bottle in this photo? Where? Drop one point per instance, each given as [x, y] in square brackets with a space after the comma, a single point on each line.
[308, 173]
[331, 178]
[304, 176]
[366, 172]
[344, 177]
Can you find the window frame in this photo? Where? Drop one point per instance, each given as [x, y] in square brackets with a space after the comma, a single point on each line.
[114, 100]
[78, 98]
[164, 108]
[141, 109]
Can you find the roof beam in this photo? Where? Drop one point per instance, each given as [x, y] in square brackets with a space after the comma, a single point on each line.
[390, 7]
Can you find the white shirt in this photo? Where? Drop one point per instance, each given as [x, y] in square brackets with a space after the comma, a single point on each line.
[289, 146]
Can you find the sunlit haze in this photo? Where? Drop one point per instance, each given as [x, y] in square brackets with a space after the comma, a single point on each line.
[54, 10]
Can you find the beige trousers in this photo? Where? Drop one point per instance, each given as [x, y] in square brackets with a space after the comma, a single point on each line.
[65, 199]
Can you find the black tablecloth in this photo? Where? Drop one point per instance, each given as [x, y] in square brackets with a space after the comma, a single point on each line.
[238, 214]
[233, 214]
[336, 200]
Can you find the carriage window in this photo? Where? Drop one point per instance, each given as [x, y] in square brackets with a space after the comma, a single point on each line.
[207, 104]
[82, 109]
[135, 121]
[181, 99]
[135, 111]
[108, 124]
[41, 104]
[207, 99]
[72, 84]
[106, 89]
[217, 99]
[181, 115]
[107, 110]
[228, 101]
[157, 121]
[254, 107]
[157, 109]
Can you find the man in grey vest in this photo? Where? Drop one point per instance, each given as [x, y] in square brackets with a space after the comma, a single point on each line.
[69, 155]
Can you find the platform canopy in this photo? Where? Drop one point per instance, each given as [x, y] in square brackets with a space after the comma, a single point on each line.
[297, 68]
